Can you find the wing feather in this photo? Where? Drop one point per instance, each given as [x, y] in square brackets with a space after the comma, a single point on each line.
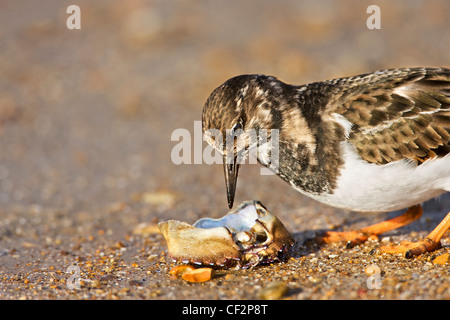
[397, 114]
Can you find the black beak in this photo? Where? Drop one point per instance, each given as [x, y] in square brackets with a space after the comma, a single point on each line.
[231, 174]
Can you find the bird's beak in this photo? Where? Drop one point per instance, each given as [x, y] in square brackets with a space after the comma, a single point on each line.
[231, 174]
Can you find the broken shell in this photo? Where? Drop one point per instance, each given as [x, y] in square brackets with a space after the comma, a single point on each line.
[243, 238]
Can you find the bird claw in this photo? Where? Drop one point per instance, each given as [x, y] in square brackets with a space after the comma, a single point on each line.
[410, 249]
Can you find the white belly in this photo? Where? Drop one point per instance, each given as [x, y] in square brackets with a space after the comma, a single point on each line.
[362, 186]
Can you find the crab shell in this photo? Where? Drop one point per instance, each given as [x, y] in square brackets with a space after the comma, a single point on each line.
[243, 238]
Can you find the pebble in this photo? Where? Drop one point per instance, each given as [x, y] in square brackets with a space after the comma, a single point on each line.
[180, 270]
[159, 198]
[198, 275]
[96, 284]
[144, 229]
[274, 290]
[442, 259]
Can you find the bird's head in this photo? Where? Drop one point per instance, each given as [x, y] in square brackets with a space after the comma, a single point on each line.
[232, 117]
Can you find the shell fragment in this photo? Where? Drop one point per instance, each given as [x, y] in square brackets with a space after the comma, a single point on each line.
[243, 238]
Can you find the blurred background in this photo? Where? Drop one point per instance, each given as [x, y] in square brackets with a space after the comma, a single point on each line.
[86, 116]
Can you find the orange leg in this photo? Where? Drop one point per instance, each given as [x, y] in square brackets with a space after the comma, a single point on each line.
[355, 237]
[430, 243]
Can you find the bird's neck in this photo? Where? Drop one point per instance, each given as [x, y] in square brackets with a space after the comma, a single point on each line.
[311, 169]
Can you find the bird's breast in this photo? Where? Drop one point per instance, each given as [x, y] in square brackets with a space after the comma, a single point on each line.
[363, 186]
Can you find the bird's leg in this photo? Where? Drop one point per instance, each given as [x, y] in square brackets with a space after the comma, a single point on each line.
[358, 236]
[430, 243]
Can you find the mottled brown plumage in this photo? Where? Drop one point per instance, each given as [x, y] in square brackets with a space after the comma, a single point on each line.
[373, 142]
[390, 115]
[397, 114]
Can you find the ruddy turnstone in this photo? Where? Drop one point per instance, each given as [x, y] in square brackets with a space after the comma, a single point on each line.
[373, 142]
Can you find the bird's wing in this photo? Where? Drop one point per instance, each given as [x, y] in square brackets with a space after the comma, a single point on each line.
[397, 114]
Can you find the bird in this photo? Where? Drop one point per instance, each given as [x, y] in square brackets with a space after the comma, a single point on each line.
[374, 142]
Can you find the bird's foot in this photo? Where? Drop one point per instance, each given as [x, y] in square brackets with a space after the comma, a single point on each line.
[352, 238]
[410, 249]
[430, 243]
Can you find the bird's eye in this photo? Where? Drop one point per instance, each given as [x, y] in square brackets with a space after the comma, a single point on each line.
[237, 126]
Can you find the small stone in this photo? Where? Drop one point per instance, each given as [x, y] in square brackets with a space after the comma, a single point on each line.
[386, 239]
[198, 275]
[96, 284]
[274, 290]
[315, 279]
[144, 229]
[152, 257]
[180, 270]
[442, 259]
[159, 198]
